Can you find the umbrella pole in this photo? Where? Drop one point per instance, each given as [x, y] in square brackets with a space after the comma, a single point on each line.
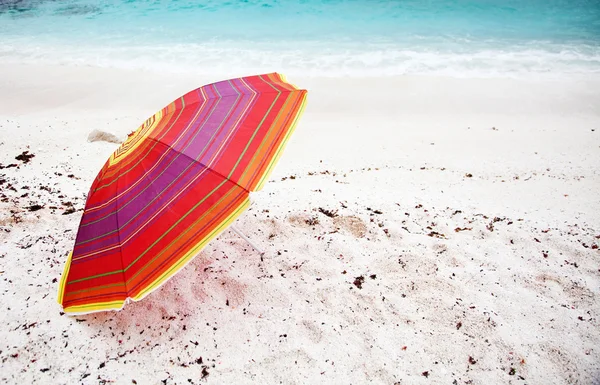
[245, 238]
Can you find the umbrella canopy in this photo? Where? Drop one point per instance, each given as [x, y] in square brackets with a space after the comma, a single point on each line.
[176, 183]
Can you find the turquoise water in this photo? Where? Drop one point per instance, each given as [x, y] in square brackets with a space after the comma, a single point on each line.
[319, 37]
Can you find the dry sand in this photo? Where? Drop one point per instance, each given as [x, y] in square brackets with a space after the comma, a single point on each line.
[418, 231]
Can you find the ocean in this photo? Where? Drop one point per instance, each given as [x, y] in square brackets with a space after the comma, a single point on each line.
[472, 38]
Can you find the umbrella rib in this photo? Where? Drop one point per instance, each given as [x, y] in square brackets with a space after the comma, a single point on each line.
[119, 236]
[200, 163]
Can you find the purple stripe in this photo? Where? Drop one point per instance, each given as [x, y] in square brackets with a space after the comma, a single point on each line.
[108, 209]
[170, 179]
[220, 139]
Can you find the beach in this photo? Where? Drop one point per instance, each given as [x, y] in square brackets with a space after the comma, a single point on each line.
[418, 230]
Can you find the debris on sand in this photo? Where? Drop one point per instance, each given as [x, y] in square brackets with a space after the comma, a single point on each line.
[103, 136]
[329, 213]
[25, 157]
[358, 281]
[35, 207]
[312, 221]
[459, 229]
[435, 234]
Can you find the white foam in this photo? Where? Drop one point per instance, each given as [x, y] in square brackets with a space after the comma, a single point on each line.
[319, 58]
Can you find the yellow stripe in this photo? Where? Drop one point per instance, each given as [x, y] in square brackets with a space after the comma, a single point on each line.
[114, 305]
[284, 79]
[136, 139]
[63, 279]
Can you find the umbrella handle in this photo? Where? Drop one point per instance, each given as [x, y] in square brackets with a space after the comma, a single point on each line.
[245, 238]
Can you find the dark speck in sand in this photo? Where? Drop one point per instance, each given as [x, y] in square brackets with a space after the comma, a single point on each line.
[25, 157]
[358, 281]
[459, 229]
[312, 221]
[435, 234]
[329, 213]
[204, 372]
[35, 208]
[425, 374]
[469, 175]
[472, 360]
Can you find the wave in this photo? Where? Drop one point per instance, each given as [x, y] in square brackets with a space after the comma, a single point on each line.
[310, 58]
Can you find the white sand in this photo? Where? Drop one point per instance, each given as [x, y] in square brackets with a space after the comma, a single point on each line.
[513, 298]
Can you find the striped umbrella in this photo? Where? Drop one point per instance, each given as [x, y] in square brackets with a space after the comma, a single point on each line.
[176, 183]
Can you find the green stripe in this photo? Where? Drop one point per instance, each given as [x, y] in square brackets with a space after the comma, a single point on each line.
[263, 142]
[255, 132]
[285, 139]
[96, 276]
[95, 288]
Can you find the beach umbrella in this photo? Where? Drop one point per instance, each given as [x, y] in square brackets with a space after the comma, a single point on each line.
[177, 182]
